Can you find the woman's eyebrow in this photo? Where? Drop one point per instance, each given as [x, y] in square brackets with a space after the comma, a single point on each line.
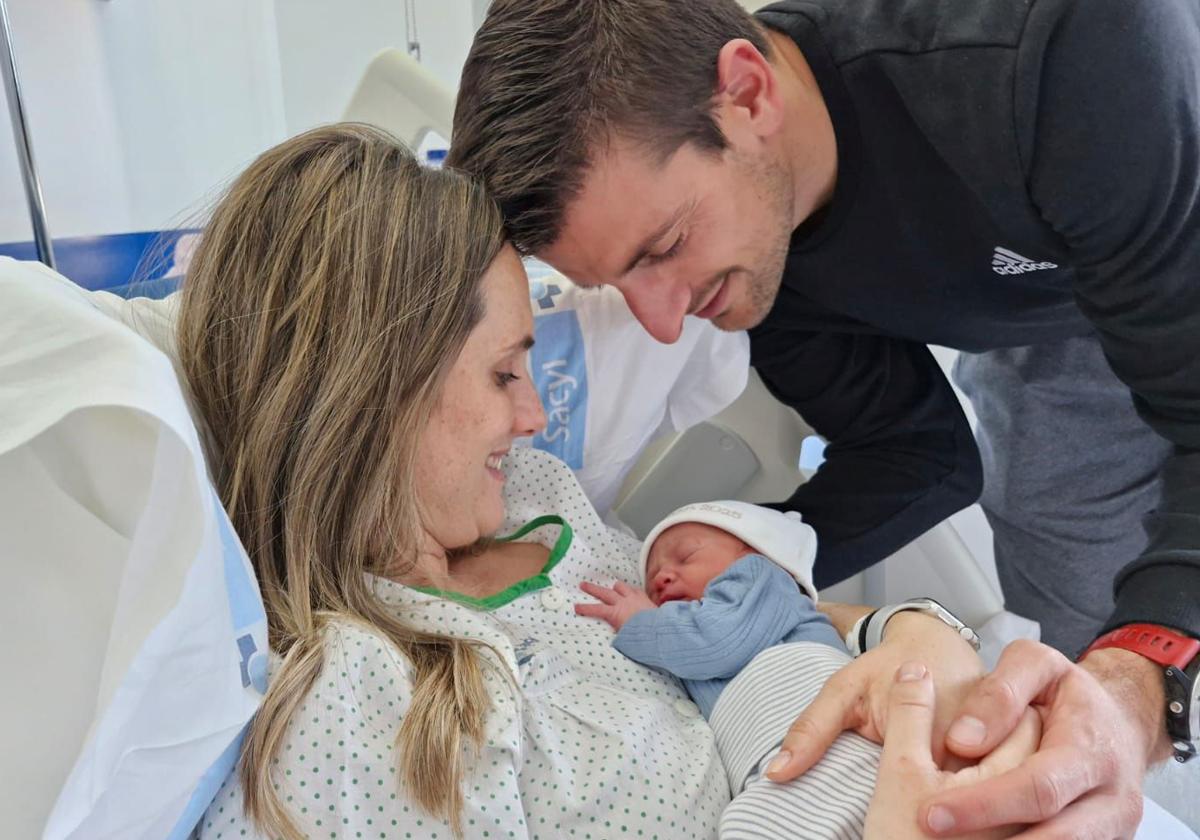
[521, 344]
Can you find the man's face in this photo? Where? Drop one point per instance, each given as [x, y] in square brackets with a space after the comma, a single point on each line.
[702, 234]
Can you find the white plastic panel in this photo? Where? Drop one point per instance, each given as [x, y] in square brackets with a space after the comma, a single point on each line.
[399, 95]
[706, 462]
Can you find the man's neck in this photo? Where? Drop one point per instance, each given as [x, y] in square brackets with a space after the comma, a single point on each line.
[808, 143]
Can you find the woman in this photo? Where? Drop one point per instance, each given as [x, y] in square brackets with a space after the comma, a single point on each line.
[354, 332]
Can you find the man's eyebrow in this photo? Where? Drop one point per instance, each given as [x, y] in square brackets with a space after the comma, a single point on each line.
[658, 234]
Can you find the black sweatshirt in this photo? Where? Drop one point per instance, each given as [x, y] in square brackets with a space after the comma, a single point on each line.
[1009, 172]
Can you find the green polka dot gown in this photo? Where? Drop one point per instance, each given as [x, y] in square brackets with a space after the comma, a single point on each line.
[581, 742]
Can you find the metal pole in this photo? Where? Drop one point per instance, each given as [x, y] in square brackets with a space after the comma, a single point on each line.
[410, 27]
[16, 112]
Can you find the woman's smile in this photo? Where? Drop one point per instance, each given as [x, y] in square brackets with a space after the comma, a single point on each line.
[495, 465]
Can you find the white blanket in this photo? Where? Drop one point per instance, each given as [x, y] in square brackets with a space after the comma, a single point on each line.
[133, 624]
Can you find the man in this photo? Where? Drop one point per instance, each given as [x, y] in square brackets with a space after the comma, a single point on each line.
[853, 179]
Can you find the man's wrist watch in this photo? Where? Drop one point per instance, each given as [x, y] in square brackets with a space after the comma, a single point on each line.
[1179, 655]
[867, 632]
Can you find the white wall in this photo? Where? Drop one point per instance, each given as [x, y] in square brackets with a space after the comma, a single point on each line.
[141, 109]
[480, 8]
[138, 108]
[324, 48]
[197, 88]
[72, 118]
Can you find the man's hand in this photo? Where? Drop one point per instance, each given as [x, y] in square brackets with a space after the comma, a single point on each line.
[907, 771]
[1102, 725]
[856, 697]
[617, 605]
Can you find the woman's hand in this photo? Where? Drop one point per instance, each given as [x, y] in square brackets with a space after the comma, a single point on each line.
[907, 771]
[617, 605]
[857, 697]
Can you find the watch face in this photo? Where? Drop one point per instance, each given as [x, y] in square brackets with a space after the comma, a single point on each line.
[1183, 710]
[1194, 717]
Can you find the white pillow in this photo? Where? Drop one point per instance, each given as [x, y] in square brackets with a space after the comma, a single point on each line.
[609, 388]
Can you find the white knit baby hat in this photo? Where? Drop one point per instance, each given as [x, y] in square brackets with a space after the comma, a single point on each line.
[780, 537]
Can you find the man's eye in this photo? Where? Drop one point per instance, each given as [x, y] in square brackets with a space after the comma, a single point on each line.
[503, 378]
[655, 259]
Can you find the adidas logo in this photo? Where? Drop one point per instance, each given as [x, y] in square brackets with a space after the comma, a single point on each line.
[1005, 261]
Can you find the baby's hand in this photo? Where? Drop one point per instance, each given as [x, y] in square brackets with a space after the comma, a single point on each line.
[618, 604]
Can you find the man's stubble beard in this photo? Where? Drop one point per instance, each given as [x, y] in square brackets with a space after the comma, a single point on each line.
[764, 279]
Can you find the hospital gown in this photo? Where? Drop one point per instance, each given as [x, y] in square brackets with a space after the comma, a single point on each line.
[588, 744]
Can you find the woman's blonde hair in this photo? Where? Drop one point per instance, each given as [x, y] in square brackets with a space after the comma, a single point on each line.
[335, 285]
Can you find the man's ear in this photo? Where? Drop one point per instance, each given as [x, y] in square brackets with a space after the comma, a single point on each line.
[747, 98]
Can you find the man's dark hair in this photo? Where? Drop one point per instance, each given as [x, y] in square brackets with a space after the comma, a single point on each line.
[548, 83]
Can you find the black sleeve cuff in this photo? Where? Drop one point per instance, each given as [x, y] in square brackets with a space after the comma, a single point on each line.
[1166, 594]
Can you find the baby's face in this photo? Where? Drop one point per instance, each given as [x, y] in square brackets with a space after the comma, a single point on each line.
[686, 557]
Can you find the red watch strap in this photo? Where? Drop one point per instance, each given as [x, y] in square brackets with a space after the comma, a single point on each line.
[1159, 644]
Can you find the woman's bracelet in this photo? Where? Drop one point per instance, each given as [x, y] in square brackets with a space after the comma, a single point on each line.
[867, 632]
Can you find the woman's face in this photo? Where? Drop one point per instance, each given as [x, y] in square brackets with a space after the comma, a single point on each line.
[486, 402]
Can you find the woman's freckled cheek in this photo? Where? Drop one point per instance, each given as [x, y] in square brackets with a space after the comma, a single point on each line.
[469, 426]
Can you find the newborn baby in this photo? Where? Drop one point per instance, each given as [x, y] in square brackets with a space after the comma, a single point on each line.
[724, 583]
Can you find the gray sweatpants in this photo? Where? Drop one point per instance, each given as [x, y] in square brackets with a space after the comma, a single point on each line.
[1070, 470]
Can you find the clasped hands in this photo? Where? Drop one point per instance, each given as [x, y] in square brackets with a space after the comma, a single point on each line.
[1061, 750]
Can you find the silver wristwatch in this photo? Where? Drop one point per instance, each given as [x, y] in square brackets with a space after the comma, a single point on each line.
[867, 632]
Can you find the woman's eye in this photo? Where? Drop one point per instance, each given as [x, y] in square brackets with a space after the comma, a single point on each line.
[504, 378]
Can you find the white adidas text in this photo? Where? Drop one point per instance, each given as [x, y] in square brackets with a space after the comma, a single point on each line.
[1005, 261]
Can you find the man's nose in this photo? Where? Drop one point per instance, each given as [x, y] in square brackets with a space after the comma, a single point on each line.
[659, 303]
